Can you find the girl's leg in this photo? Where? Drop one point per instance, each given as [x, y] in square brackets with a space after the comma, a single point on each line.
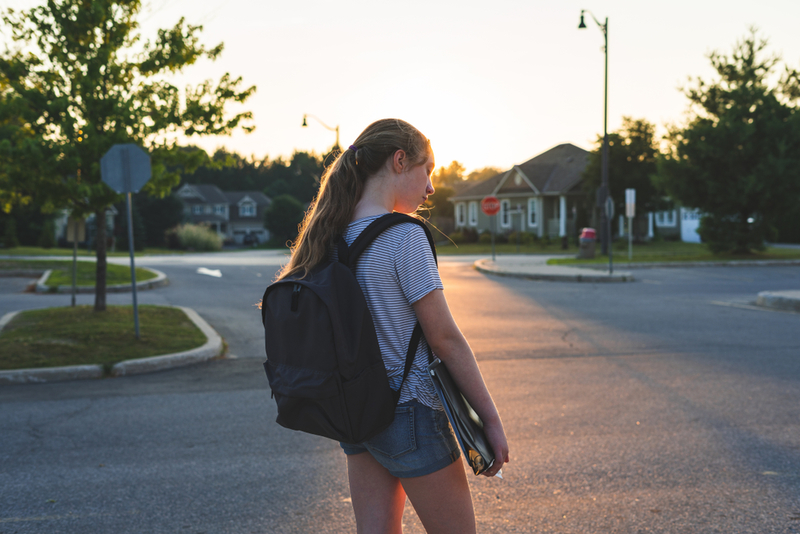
[442, 500]
[378, 498]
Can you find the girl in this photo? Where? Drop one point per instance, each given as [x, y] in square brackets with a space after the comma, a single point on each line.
[388, 168]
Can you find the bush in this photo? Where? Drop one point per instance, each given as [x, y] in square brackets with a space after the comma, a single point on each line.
[10, 239]
[485, 237]
[193, 237]
[47, 239]
[470, 235]
[525, 238]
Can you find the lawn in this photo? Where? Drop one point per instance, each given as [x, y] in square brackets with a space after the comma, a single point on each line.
[77, 336]
[667, 251]
[62, 272]
[447, 248]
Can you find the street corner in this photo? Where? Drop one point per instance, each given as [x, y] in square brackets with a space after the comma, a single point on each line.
[536, 268]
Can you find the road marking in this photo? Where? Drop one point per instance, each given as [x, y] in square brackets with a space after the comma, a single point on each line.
[216, 273]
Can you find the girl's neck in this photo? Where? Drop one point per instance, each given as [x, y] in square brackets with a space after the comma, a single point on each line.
[377, 199]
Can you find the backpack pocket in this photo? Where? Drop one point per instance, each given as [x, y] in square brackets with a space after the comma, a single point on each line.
[308, 400]
[370, 402]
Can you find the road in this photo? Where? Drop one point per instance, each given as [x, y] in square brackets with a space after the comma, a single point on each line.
[665, 405]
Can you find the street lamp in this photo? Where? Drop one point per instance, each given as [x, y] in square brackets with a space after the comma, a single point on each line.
[602, 194]
[305, 125]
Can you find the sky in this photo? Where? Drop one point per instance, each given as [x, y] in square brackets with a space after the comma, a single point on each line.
[489, 83]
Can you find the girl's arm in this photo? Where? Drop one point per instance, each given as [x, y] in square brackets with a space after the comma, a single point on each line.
[449, 344]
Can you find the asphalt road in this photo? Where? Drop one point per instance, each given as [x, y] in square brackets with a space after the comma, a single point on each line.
[665, 405]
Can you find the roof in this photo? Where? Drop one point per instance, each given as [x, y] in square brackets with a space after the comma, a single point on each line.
[555, 171]
[210, 194]
[257, 196]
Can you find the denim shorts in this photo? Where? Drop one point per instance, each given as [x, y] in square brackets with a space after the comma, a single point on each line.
[418, 442]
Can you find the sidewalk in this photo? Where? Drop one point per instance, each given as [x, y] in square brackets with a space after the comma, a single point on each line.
[534, 267]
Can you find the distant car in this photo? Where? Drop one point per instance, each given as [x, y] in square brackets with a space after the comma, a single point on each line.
[250, 239]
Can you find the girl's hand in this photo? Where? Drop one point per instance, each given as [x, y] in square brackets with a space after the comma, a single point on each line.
[497, 440]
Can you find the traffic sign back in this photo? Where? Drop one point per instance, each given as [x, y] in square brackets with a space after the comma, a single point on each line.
[125, 168]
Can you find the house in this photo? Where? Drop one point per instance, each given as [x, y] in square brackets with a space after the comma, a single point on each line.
[540, 196]
[238, 216]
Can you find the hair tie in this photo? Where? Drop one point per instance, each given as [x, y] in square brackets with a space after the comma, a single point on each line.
[353, 148]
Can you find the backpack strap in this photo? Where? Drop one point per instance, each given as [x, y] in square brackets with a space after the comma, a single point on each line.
[375, 229]
[349, 256]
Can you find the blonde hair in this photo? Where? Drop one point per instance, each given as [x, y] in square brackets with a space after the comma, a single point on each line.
[342, 185]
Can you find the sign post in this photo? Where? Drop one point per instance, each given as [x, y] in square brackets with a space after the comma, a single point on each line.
[76, 231]
[125, 168]
[630, 212]
[490, 206]
[609, 218]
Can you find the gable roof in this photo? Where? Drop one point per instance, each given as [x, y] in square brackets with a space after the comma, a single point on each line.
[210, 194]
[235, 197]
[555, 171]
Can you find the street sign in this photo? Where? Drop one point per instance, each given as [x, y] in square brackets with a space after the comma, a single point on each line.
[490, 205]
[125, 168]
[609, 208]
[76, 227]
[630, 203]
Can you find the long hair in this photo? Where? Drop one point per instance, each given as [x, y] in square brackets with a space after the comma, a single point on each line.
[342, 185]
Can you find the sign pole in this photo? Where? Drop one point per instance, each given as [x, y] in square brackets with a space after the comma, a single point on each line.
[133, 267]
[630, 239]
[74, 259]
[494, 229]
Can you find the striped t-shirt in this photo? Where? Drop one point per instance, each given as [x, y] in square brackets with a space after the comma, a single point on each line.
[395, 271]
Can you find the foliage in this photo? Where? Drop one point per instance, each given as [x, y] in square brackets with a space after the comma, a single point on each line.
[121, 228]
[77, 81]
[194, 237]
[447, 176]
[152, 217]
[10, 239]
[437, 203]
[736, 159]
[482, 174]
[47, 237]
[283, 217]
[632, 155]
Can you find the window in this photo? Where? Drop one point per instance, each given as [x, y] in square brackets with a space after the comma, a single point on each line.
[460, 216]
[505, 216]
[473, 214]
[247, 210]
[665, 218]
[219, 209]
[197, 209]
[532, 204]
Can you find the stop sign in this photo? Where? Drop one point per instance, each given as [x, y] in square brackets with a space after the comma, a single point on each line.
[490, 205]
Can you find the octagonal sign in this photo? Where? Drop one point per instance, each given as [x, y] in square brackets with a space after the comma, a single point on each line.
[125, 168]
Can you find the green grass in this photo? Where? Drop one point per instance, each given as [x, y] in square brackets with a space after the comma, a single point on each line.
[447, 248]
[667, 251]
[62, 272]
[77, 336]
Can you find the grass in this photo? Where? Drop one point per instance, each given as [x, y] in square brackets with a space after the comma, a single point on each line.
[62, 272]
[78, 336]
[667, 251]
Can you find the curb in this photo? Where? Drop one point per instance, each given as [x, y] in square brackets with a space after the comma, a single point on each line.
[649, 265]
[780, 300]
[159, 281]
[210, 349]
[588, 277]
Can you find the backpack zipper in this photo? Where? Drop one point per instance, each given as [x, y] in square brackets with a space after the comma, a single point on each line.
[296, 296]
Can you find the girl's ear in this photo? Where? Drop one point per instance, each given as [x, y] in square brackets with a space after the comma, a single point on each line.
[399, 161]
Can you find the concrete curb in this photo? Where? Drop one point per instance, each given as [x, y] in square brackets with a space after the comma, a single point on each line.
[211, 349]
[159, 281]
[732, 263]
[566, 276]
[780, 300]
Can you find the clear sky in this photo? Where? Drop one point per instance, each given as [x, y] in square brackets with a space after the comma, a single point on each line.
[490, 82]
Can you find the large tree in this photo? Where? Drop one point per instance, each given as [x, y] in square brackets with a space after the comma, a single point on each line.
[632, 152]
[75, 79]
[737, 158]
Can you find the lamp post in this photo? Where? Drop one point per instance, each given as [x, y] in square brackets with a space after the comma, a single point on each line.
[602, 194]
[305, 125]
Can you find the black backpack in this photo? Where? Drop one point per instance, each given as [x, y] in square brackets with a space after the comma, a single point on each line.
[323, 362]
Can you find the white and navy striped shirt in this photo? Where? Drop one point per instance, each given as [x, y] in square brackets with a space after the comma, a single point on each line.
[395, 271]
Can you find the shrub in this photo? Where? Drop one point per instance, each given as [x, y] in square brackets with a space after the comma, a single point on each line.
[10, 239]
[47, 238]
[457, 237]
[470, 235]
[485, 237]
[193, 237]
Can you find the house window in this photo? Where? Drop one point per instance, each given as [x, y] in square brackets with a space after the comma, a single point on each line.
[532, 203]
[219, 209]
[460, 215]
[197, 209]
[505, 216]
[247, 210]
[665, 218]
[473, 214]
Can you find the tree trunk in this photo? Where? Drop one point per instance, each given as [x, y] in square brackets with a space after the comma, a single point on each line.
[100, 276]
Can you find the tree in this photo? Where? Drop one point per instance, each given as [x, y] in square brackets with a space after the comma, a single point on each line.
[75, 81]
[479, 175]
[632, 154]
[283, 217]
[737, 157]
[447, 176]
